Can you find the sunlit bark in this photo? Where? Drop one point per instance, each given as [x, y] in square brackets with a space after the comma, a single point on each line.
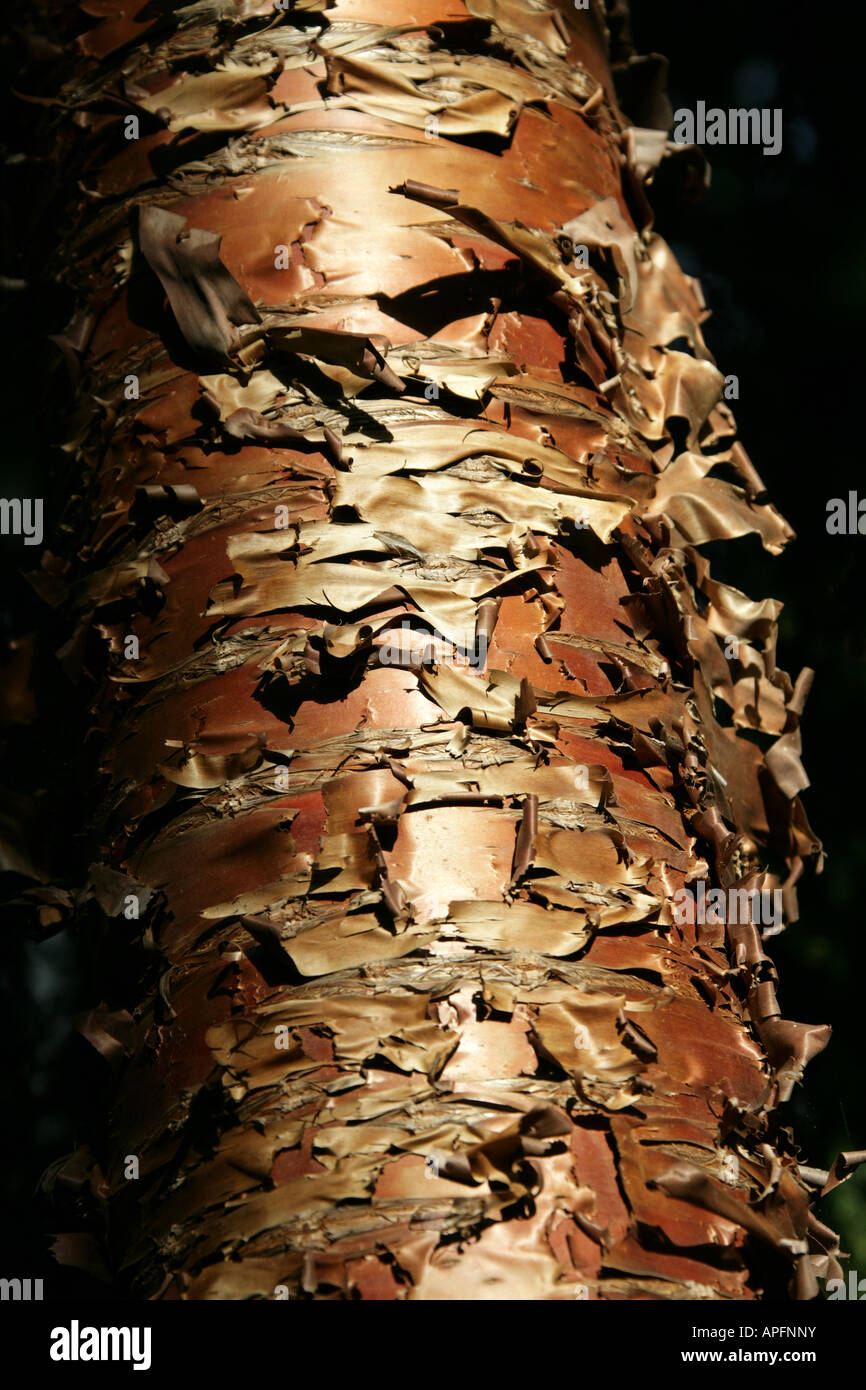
[422, 708]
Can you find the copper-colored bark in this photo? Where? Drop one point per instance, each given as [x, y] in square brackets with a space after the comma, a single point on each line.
[424, 1025]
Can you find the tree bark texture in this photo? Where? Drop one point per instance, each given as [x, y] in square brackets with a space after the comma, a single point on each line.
[401, 441]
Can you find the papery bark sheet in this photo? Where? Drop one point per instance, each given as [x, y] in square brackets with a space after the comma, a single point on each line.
[436, 704]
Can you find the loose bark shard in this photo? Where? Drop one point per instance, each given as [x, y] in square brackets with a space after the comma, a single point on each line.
[205, 299]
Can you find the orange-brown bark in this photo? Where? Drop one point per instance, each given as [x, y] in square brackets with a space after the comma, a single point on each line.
[436, 705]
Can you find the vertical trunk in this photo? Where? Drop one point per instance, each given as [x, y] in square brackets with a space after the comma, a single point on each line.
[422, 708]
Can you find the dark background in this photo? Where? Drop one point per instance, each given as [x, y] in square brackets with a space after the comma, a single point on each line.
[779, 244]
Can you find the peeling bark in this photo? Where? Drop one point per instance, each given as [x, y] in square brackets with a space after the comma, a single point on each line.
[436, 707]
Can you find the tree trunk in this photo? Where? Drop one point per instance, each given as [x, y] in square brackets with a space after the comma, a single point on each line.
[419, 707]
